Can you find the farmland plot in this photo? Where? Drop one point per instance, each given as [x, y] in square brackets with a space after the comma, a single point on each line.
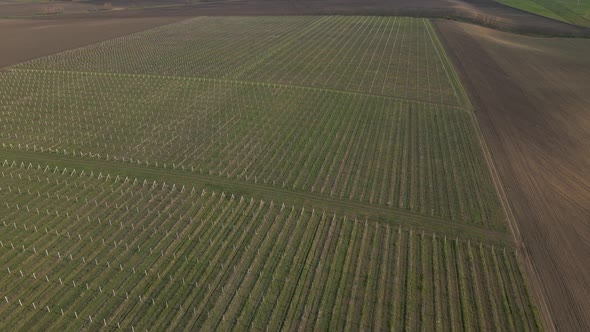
[96, 250]
[359, 113]
[373, 149]
[391, 56]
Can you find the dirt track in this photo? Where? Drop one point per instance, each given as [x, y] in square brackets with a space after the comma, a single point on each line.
[22, 40]
[532, 98]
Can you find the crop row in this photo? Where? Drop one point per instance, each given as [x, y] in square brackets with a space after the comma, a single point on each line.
[401, 154]
[86, 249]
[391, 56]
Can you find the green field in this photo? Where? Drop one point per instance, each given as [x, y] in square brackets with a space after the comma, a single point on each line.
[571, 11]
[273, 173]
[390, 56]
[151, 255]
[374, 149]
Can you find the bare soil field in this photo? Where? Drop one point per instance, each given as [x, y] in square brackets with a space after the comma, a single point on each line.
[16, 9]
[482, 12]
[532, 97]
[26, 39]
[10, 8]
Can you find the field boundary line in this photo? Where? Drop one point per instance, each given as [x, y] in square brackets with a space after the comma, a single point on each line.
[304, 199]
[453, 76]
[522, 256]
[242, 82]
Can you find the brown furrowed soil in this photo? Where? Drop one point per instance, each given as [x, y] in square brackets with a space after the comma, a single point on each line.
[532, 98]
[22, 40]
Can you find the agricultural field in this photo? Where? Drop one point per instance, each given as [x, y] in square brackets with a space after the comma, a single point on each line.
[532, 6]
[384, 151]
[370, 200]
[572, 11]
[26, 39]
[390, 56]
[538, 133]
[55, 9]
[87, 250]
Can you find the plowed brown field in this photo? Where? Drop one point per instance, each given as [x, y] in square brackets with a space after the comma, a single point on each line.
[532, 98]
[25, 39]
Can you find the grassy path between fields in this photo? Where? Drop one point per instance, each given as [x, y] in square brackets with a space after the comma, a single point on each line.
[361, 210]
